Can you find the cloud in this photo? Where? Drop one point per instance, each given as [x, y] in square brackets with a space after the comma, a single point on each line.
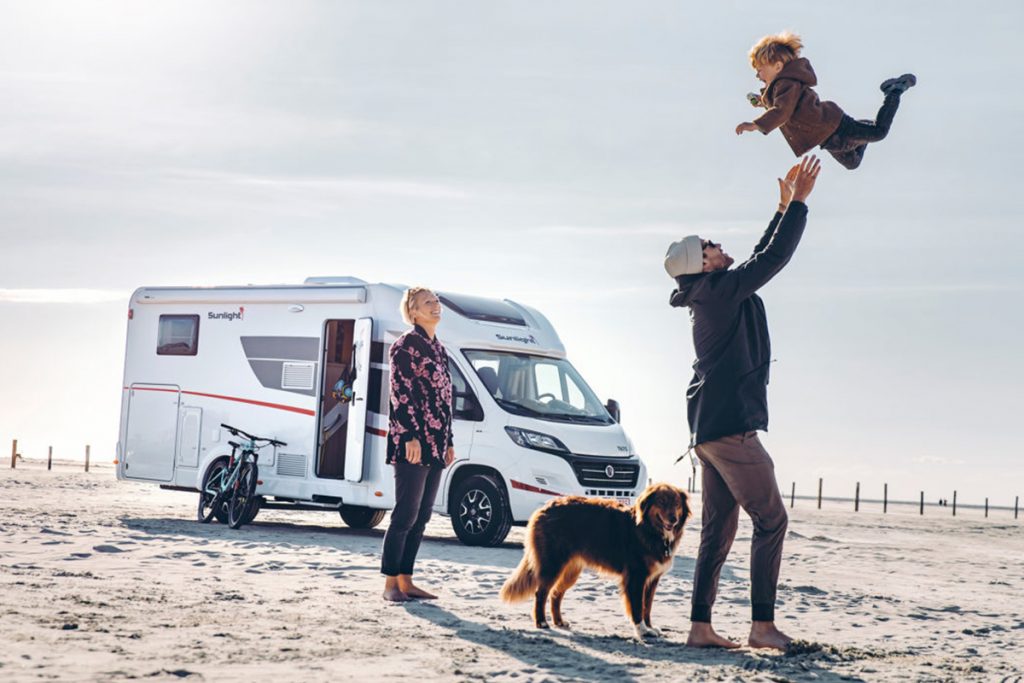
[63, 296]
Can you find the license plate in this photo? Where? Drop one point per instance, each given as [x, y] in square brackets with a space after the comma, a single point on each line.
[624, 501]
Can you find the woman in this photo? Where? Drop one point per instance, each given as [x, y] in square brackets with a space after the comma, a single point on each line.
[419, 438]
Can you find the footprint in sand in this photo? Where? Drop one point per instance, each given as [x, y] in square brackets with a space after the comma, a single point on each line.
[107, 549]
[78, 556]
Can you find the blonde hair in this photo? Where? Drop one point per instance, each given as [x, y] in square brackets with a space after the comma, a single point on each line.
[409, 302]
[782, 47]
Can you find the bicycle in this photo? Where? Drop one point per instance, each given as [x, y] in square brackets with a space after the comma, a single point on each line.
[229, 490]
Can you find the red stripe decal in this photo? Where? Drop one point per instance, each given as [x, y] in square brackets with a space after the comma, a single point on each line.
[376, 432]
[532, 489]
[264, 404]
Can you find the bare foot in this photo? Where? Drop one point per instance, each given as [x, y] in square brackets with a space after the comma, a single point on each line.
[702, 635]
[763, 634]
[395, 595]
[419, 593]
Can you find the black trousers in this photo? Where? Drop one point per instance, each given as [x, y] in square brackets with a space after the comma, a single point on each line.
[415, 491]
[848, 143]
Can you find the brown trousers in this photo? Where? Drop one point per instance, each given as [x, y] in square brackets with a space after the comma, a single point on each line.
[738, 472]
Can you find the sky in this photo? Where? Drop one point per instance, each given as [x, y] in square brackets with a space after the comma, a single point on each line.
[543, 152]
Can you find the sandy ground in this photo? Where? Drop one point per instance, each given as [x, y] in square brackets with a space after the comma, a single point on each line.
[103, 581]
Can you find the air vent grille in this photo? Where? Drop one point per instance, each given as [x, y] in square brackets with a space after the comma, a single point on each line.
[291, 465]
[297, 375]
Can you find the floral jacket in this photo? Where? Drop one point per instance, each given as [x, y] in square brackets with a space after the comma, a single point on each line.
[421, 397]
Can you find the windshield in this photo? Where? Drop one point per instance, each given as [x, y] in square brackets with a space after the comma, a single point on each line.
[536, 386]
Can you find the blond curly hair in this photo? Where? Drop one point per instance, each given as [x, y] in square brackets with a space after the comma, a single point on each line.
[409, 302]
[781, 47]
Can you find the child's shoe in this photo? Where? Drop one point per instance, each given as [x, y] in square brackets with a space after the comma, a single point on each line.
[898, 85]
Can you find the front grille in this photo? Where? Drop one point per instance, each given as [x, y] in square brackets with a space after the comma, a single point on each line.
[595, 473]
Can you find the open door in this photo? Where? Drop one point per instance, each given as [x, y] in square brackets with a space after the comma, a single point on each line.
[356, 436]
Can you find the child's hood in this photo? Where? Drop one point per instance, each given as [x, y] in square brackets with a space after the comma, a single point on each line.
[798, 70]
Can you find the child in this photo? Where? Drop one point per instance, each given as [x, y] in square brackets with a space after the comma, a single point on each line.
[805, 120]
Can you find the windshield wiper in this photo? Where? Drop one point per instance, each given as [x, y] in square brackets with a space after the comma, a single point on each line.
[514, 407]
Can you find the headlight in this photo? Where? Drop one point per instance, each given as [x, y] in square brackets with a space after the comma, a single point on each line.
[535, 440]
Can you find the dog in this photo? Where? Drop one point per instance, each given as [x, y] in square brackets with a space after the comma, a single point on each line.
[635, 543]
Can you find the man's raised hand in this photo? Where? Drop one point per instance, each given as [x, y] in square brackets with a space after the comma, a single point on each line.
[786, 187]
[806, 175]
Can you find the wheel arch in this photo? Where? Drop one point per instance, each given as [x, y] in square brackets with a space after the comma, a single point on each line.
[469, 470]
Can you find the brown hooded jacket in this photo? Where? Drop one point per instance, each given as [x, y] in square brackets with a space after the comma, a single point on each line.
[793, 105]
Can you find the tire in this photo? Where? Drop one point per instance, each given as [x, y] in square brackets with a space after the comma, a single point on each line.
[480, 512]
[242, 496]
[257, 505]
[211, 505]
[359, 517]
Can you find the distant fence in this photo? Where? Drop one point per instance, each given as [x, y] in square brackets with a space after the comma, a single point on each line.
[16, 456]
[691, 486]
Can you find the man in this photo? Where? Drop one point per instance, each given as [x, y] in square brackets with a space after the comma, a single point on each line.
[727, 405]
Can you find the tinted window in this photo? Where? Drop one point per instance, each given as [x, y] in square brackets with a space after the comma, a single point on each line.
[178, 335]
[478, 308]
[466, 405]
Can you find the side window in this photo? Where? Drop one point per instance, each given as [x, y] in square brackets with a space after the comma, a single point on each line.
[178, 335]
[466, 406]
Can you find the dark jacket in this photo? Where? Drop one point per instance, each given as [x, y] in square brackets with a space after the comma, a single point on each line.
[793, 105]
[728, 393]
[421, 397]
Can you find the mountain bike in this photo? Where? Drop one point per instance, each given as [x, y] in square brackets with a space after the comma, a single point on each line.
[229, 489]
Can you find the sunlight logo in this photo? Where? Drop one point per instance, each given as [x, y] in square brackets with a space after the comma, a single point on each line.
[516, 338]
[227, 315]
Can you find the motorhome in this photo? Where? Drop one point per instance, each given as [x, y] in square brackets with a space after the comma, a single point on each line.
[268, 359]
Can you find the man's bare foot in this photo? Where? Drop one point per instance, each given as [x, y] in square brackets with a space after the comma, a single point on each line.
[419, 593]
[702, 635]
[395, 595]
[763, 634]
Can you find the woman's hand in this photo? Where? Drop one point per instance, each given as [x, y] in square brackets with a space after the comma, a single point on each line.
[806, 175]
[746, 127]
[413, 454]
[449, 456]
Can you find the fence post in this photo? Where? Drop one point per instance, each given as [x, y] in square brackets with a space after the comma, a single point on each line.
[792, 494]
[885, 499]
[1016, 504]
[689, 484]
[986, 507]
[49, 460]
[922, 502]
[856, 499]
[954, 503]
[86, 458]
[14, 452]
[819, 492]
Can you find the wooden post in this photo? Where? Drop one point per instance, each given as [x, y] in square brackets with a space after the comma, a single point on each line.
[1016, 505]
[986, 507]
[922, 502]
[792, 494]
[885, 500]
[49, 460]
[819, 492]
[86, 458]
[689, 485]
[856, 499]
[14, 452]
[954, 503]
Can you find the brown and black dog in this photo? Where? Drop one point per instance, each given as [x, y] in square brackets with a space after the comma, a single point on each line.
[636, 543]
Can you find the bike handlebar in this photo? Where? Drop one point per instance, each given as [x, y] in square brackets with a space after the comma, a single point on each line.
[238, 432]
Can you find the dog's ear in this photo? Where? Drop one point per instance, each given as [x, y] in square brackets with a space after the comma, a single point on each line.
[644, 503]
[684, 498]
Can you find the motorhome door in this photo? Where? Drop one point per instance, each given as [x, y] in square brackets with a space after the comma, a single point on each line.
[152, 432]
[356, 437]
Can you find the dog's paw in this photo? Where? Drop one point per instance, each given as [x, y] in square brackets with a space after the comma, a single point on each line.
[644, 631]
[563, 624]
[542, 624]
[655, 632]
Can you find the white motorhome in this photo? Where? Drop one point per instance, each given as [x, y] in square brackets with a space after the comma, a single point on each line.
[265, 359]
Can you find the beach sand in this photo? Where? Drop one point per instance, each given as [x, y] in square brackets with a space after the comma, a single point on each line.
[105, 581]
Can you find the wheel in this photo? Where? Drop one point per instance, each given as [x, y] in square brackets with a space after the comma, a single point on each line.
[359, 517]
[211, 502]
[480, 512]
[242, 495]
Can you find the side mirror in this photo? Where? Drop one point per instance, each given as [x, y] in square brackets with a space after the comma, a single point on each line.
[613, 409]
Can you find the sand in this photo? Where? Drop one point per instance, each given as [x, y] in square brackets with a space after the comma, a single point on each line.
[105, 581]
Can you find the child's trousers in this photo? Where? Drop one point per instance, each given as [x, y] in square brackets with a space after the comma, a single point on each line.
[848, 143]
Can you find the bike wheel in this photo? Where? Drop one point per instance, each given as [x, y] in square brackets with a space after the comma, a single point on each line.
[243, 494]
[210, 495]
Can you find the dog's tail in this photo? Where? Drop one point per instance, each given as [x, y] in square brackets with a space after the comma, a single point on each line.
[522, 584]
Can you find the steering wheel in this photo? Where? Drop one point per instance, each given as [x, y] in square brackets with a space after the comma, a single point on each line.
[552, 396]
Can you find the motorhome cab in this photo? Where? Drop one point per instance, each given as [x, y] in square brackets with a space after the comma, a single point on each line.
[266, 360]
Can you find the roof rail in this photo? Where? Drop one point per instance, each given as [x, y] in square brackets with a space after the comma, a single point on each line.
[334, 280]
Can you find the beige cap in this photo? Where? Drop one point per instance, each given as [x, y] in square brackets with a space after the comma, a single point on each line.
[685, 257]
